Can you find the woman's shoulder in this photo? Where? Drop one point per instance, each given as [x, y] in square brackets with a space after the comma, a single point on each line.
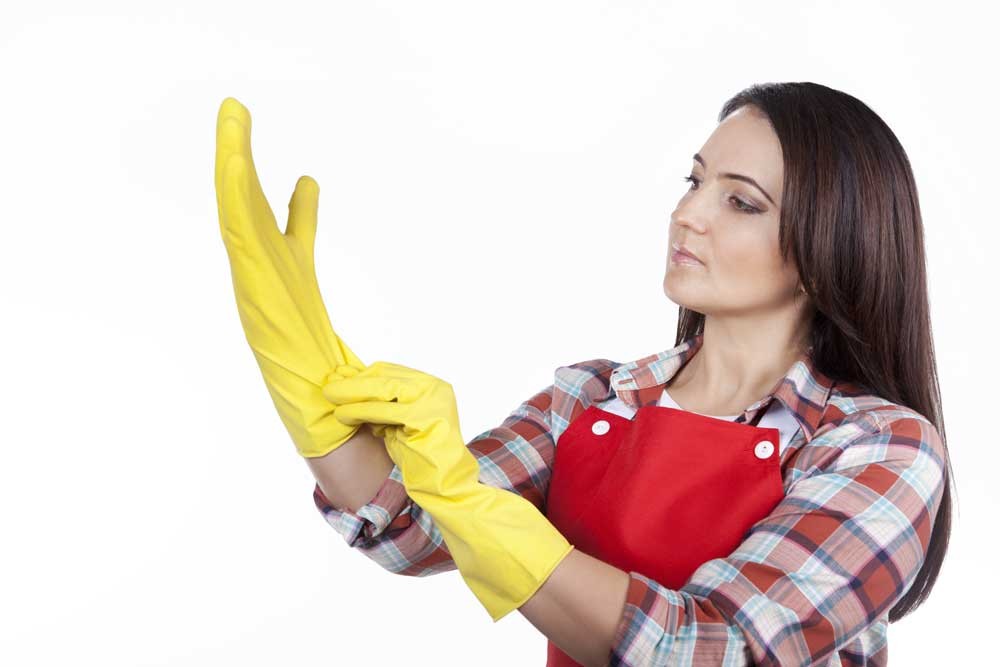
[856, 405]
[859, 425]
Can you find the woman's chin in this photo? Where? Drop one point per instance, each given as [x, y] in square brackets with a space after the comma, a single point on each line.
[682, 297]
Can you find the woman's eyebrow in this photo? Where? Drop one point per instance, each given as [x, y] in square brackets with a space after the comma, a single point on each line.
[738, 177]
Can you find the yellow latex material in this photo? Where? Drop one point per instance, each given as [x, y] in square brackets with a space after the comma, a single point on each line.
[503, 545]
[277, 296]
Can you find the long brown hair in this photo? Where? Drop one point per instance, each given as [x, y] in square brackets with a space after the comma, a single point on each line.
[850, 220]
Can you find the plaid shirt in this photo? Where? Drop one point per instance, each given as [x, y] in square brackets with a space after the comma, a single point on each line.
[812, 582]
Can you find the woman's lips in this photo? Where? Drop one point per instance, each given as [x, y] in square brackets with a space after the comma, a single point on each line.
[678, 257]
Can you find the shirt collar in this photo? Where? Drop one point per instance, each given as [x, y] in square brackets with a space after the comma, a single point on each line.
[803, 390]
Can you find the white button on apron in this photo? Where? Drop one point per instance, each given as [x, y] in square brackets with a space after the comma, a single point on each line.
[600, 427]
[763, 449]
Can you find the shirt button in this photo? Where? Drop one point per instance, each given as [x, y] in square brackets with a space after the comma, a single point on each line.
[600, 427]
[764, 449]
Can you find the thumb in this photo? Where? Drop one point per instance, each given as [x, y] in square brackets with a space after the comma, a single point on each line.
[302, 210]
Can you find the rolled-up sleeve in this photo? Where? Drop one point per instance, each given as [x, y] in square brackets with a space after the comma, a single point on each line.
[387, 508]
[833, 557]
[397, 534]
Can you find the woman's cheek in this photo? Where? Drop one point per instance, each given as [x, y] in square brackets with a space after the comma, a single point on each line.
[748, 266]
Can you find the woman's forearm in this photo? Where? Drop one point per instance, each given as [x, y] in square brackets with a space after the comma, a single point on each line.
[350, 475]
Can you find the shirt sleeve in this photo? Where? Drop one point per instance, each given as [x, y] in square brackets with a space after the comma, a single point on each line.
[833, 557]
[397, 534]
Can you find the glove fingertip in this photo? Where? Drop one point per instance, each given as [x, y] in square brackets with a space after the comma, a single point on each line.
[346, 371]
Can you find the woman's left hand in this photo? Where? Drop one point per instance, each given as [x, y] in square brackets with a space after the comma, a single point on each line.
[503, 545]
[417, 416]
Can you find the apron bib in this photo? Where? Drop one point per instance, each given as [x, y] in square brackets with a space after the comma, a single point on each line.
[662, 493]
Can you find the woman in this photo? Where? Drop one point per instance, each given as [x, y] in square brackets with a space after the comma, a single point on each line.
[774, 489]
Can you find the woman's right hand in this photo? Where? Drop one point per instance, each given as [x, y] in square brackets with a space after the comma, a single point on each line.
[277, 296]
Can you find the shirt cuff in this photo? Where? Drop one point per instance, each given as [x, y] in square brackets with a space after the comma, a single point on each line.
[638, 632]
[384, 515]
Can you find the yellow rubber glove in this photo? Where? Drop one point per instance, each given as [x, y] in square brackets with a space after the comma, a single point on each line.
[503, 545]
[277, 296]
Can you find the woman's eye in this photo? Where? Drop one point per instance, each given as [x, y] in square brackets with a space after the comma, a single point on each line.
[739, 204]
[743, 206]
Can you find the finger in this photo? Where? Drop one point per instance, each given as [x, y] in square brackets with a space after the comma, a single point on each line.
[231, 130]
[299, 238]
[302, 213]
[416, 381]
[233, 138]
[238, 229]
[347, 371]
[397, 370]
[371, 412]
[230, 122]
[341, 372]
[363, 387]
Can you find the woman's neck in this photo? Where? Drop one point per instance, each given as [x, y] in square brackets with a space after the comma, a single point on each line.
[725, 379]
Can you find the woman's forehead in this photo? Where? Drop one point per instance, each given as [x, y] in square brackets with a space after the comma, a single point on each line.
[745, 143]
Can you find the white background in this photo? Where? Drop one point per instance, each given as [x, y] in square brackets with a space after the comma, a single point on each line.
[496, 181]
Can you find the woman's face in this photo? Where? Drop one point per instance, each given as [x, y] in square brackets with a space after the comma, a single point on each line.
[732, 225]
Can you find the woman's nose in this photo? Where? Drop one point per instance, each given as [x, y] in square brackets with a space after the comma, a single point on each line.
[681, 218]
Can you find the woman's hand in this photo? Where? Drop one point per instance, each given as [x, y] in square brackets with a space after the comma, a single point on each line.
[503, 545]
[277, 296]
[415, 413]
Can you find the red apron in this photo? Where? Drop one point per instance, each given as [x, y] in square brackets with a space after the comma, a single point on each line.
[661, 493]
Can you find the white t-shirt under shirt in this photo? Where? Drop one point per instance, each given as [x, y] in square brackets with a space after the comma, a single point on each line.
[777, 415]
